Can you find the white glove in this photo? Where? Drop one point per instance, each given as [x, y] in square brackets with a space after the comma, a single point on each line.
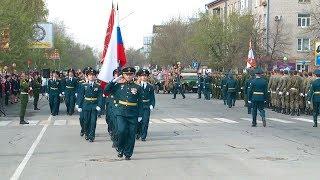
[139, 119]
[98, 108]
[103, 95]
[77, 106]
[241, 87]
[31, 88]
[249, 102]
[305, 94]
[76, 94]
[239, 92]
[30, 80]
[287, 93]
[280, 93]
[117, 79]
[151, 107]
[79, 109]
[47, 94]
[269, 91]
[62, 93]
[301, 94]
[309, 102]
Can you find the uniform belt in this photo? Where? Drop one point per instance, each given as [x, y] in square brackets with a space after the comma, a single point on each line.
[24, 93]
[54, 88]
[69, 87]
[258, 93]
[127, 103]
[317, 92]
[231, 88]
[147, 100]
[90, 99]
[293, 89]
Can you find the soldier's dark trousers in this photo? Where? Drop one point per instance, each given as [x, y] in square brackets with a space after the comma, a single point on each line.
[90, 120]
[257, 105]
[231, 99]
[316, 109]
[70, 102]
[144, 124]
[54, 103]
[82, 124]
[36, 99]
[176, 90]
[24, 103]
[103, 108]
[224, 97]
[199, 92]
[249, 106]
[6, 98]
[206, 93]
[127, 127]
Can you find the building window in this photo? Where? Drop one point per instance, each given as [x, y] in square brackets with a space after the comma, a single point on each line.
[303, 44]
[303, 1]
[304, 20]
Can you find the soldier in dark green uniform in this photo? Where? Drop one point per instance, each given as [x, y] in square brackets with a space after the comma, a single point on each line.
[148, 99]
[80, 84]
[200, 84]
[90, 102]
[70, 84]
[128, 110]
[177, 87]
[247, 90]
[231, 87]
[314, 97]
[207, 81]
[36, 86]
[258, 96]
[54, 93]
[24, 96]
[223, 87]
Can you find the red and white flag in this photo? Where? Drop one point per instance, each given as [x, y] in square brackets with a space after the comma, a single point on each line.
[114, 57]
[251, 62]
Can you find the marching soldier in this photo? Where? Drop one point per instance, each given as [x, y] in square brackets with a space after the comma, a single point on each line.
[90, 101]
[148, 99]
[70, 86]
[314, 96]
[36, 86]
[207, 81]
[295, 92]
[223, 87]
[247, 90]
[258, 96]
[177, 87]
[54, 93]
[81, 83]
[231, 87]
[200, 84]
[128, 110]
[284, 94]
[24, 96]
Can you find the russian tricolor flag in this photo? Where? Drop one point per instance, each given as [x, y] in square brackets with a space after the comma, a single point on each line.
[114, 52]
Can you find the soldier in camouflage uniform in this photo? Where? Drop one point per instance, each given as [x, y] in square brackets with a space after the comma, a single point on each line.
[295, 90]
[310, 79]
[277, 85]
[283, 92]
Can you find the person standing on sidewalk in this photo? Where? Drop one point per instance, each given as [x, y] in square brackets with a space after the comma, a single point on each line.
[24, 96]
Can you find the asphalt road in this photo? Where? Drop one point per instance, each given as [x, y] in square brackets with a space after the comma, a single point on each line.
[188, 139]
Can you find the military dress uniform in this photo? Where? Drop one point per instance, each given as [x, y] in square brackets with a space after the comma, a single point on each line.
[36, 86]
[231, 87]
[148, 99]
[258, 96]
[70, 89]
[81, 119]
[200, 85]
[314, 97]
[54, 90]
[207, 81]
[177, 87]
[90, 102]
[24, 96]
[127, 111]
[223, 87]
[247, 86]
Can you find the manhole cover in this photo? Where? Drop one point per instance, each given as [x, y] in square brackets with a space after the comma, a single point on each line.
[268, 158]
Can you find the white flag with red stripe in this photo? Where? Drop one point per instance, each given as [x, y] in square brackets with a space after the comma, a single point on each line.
[251, 61]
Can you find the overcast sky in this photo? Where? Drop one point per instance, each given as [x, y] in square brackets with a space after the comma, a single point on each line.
[86, 20]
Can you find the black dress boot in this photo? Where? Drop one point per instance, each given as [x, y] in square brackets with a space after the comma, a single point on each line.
[22, 121]
[293, 112]
[264, 122]
[298, 112]
[288, 112]
[283, 111]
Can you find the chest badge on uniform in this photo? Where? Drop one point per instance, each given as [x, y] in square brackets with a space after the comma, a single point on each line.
[95, 89]
[134, 91]
[122, 87]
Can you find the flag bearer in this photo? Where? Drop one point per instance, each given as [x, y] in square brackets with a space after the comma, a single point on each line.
[90, 102]
[70, 86]
[128, 110]
[54, 93]
[148, 99]
[314, 97]
[258, 96]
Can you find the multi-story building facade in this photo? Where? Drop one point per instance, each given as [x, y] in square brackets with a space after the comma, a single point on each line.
[290, 19]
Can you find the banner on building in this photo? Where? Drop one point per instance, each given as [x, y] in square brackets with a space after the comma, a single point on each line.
[43, 36]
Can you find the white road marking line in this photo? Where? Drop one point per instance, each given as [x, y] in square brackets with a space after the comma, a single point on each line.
[212, 120]
[100, 121]
[170, 120]
[250, 119]
[25, 160]
[197, 120]
[31, 123]
[157, 121]
[303, 119]
[226, 120]
[183, 120]
[73, 122]
[15, 123]
[280, 120]
[4, 123]
[60, 122]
